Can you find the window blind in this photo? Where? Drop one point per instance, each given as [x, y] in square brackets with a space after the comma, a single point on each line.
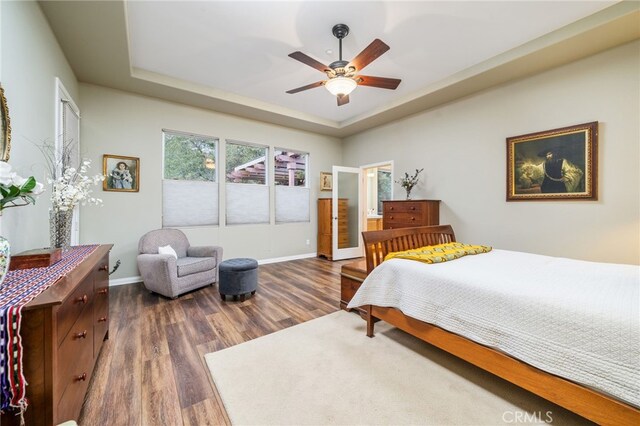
[247, 203]
[292, 204]
[189, 203]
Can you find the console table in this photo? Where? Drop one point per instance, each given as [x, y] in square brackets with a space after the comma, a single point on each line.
[62, 332]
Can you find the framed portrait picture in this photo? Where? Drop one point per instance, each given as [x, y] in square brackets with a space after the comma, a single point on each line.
[326, 181]
[121, 173]
[558, 164]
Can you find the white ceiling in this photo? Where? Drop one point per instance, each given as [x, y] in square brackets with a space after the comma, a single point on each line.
[241, 47]
[231, 56]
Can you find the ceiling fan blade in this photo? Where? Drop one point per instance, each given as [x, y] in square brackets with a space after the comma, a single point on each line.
[381, 82]
[308, 60]
[307, 87]
[344, 99]
[369, 54]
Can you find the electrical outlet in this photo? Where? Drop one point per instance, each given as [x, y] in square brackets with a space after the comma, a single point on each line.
[308, 242]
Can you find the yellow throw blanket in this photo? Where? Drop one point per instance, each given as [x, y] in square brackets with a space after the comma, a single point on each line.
[438, 253]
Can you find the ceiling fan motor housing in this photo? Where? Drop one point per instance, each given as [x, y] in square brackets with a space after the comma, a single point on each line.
[340, 31]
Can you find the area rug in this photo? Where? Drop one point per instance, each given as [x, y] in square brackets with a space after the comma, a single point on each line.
[326, 371]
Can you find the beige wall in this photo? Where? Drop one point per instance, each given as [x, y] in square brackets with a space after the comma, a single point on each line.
[31, 60]
[463, 150]
[115, 122]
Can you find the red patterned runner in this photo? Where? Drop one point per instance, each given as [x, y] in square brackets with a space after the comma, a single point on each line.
[19, 288]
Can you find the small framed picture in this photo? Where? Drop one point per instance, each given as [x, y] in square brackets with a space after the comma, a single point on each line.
[558, 164]
[121, 173]
[326, 181]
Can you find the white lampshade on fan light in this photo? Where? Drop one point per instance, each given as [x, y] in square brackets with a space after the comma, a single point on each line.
[340, 86]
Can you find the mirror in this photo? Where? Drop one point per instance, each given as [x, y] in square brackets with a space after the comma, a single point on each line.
[5, 128]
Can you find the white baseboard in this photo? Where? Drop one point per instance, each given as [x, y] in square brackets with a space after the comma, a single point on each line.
[126, 280]
[286, 258]
[132, 280]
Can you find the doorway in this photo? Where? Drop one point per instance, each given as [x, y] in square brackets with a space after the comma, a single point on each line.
[377, 187]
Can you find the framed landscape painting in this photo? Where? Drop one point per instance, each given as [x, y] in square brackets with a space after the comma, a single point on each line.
[558, 164]
[121, 173]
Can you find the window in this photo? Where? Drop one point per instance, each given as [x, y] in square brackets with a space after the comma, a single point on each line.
[384, 187]
[189, 188]
[290, 170]
[247, 190]
[290, 167]
[246, 163]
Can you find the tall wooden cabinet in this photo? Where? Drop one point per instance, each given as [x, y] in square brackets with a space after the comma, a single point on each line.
[325, 226]
[62, 333]
[410, 213]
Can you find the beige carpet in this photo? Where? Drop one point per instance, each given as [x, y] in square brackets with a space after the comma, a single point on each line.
[326, 371]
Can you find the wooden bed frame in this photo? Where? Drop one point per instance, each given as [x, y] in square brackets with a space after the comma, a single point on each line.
[584, 401]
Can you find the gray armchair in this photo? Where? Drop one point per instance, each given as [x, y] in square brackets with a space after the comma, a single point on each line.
[195, 267]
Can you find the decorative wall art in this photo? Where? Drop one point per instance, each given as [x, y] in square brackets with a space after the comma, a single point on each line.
[121, 173]
[558, 164]
[326, 181]
[5, 128]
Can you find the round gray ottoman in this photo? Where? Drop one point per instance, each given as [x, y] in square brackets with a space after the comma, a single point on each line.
[238, 277]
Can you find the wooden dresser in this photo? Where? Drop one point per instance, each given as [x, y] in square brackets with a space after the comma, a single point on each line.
[62, 331]
[325, 226]
[410, 213]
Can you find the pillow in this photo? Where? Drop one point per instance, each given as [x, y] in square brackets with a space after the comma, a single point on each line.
[167, 250]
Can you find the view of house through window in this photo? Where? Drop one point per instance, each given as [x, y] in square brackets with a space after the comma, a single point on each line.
[246, 163]
[189, 188]
[290, 167]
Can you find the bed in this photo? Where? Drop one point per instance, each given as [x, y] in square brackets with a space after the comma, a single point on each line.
[607, 391]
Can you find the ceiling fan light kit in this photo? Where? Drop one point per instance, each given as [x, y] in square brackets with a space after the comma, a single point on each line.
[340, 86]
[342, 75]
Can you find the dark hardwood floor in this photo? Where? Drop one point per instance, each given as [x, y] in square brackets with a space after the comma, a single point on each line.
[152, 371]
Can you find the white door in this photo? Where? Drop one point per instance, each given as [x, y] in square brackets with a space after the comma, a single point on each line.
[347, 223]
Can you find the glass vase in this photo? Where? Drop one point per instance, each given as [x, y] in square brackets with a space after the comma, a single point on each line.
[60, 228]
[5, 256]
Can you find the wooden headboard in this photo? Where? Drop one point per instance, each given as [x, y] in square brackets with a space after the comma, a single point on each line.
[377, 244]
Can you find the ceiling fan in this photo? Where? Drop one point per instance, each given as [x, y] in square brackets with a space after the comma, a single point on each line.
[343, 76]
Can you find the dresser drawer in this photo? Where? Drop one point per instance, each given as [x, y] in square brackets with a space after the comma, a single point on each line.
[407, 218]
[73, 306]
[405, 206]
[100, 323]
[70, 403]
[75, 354]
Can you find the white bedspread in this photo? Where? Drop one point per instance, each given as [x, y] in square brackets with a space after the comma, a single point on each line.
[579, 320]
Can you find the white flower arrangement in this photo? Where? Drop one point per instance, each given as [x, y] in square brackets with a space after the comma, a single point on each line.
[74, 188]
[16, 191]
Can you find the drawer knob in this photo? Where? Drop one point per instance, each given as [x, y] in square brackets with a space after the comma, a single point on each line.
[391, 208]
[82, 335]
[103, 291]
[81, 378]
[102, 319]
[413, 218]
[82, 299]
[390, 217]
[103, 268]
[413, 208]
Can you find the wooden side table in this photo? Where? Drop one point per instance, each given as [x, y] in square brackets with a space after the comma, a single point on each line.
[351, 277]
